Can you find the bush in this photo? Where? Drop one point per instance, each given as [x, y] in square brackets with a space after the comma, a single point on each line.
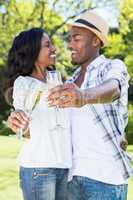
[129, 128]
[4, 130]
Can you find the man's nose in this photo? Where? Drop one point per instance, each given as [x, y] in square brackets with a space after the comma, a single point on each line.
[70, 45]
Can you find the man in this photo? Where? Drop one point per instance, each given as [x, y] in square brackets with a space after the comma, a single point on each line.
[97, 94]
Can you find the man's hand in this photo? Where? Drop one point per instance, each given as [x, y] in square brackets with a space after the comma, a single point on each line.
[17, 120]
[66, 95]
[69, 95]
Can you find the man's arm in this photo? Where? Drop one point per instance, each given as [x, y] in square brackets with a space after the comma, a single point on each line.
[104, 93]
[69, 95]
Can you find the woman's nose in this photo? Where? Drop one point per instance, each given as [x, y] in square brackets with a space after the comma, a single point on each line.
[53, 49]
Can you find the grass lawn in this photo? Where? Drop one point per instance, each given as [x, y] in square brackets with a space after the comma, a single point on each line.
[9, 183]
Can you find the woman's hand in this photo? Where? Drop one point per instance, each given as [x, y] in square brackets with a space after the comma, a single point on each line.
[18, 120]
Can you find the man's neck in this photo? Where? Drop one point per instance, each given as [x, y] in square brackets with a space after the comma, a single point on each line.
[84, 65]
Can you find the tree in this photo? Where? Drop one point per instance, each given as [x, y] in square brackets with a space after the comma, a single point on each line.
[121, 43]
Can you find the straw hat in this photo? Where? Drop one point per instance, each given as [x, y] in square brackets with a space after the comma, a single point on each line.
[94, 23]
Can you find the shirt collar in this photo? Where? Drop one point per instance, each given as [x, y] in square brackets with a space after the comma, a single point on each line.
[96, 62]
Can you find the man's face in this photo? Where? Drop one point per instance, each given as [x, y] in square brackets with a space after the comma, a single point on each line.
[81, 45]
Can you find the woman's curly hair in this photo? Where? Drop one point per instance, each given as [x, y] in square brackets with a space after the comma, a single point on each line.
[23, 55]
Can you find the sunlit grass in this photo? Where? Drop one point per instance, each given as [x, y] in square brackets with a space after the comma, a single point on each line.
[9, 182]
[130, 188]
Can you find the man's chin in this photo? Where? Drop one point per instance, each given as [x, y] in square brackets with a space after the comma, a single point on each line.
[74, 62]
[53, 62]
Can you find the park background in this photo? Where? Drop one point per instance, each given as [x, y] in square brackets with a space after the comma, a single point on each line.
[53, 15]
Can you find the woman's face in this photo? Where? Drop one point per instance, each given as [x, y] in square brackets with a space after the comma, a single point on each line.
[47, 53]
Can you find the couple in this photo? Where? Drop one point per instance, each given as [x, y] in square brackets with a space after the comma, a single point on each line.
[96, 99]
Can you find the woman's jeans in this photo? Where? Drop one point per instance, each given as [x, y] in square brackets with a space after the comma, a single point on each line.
[82, 188]
[43, 183]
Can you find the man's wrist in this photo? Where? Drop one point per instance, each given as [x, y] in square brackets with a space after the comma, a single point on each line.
[90, 96]
[83, 97]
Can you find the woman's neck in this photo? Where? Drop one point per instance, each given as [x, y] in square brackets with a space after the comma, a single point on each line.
[39, 74]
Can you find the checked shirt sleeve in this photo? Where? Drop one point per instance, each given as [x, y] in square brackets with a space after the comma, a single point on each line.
[117, 70]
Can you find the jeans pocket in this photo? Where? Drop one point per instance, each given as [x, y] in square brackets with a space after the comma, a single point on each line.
[37, 173]
[44, 181]
[44, 174]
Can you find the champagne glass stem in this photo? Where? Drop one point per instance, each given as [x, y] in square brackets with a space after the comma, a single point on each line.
[56, 115]
[21, 131]
[20, 134]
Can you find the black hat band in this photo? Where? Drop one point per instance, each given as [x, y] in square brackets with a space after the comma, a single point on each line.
[84, 22]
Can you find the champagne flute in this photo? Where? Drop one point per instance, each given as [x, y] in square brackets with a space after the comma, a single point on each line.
[31, 100]
[53, 78]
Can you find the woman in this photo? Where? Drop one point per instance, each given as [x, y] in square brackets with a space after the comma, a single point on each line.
[42, 176]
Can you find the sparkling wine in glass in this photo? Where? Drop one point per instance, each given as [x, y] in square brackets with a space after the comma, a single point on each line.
[53, 78]
[31, 100]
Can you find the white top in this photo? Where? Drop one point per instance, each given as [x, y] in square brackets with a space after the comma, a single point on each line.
[95, 137]
[45, 148]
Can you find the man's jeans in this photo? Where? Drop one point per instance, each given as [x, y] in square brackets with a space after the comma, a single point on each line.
[43, 183]
[82, 188]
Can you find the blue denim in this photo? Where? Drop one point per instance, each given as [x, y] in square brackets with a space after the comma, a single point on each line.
[43, 183]
[82, 188]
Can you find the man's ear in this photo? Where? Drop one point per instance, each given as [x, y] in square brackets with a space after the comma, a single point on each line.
[96, 41]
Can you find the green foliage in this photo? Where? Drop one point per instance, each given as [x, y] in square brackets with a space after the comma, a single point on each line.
[121, 43]
[126, 29]
[129, 128]
[4, 130]
[115, 46]
[129, 63]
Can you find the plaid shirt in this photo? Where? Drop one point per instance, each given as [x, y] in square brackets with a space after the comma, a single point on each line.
[111, 117]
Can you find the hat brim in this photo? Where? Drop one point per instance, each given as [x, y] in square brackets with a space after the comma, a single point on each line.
[97, 33]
